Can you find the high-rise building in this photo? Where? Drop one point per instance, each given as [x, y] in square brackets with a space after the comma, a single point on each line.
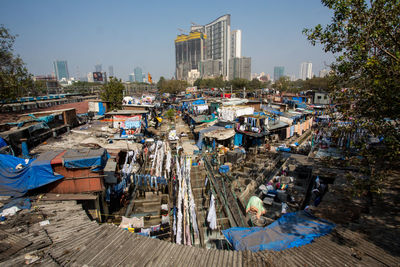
[323, 73]
[279, 71]
[61, 69]
[138, 74]
[208, 49]
[240, 67]
[211, 68]
[110, 71]
[236, 43]
[189, 52]
[97, 68]
[217, 45]
[306, 70]
[131, 77]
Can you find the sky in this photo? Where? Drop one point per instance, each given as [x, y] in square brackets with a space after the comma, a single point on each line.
[127, 34]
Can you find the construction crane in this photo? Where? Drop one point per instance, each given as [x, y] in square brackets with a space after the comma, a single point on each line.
[182, 31]
[195, 24]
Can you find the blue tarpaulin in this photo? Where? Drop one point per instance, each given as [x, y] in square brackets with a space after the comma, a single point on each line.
[297, 99]
[199, 102]
[186, 104]
[238, 141]
[102, 110]
[2, 142]
[45, 119]
[32, 174]
[86, 158]
[224, 169]
[291, 230]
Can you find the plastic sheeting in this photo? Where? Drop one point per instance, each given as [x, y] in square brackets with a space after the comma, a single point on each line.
[29, 175]
[86, 158]
[291, 230]
[102, 109]
[45, 119]
[238, 141]
[20, 203]
[199, 102]
[2, 142]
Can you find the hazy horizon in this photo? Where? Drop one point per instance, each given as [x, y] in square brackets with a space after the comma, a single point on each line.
[128, 34]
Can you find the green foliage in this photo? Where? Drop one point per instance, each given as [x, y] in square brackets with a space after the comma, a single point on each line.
[113, 92]
[171, 86]
[255, 84]
[15, 81]
[83, 87]
[170, 114]
[237, 84]
[365, 37]
[316, 84]
[210, 83]
[161, 82]
[40, 88]
[283, 84]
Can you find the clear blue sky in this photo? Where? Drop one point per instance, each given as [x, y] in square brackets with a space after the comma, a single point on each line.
[127, 34]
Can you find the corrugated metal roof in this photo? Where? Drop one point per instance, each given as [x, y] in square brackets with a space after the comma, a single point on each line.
[71, 239]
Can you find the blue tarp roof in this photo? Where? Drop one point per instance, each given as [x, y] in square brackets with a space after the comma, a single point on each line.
[86, 158]
[291, 230]
[32, 174]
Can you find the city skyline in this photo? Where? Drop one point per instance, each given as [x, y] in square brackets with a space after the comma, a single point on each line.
[270, 40]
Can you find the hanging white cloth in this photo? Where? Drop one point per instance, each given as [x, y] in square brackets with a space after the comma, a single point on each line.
[192, 205]
[212, 215]
[168, 162]
[179, 204]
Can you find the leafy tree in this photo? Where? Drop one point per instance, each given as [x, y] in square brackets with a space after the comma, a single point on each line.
[160, 83]
[255, 84]
[283, 84]
[83, 87]
[365, 37]
[113, 92]
[316, 84]
[173, 86]
[15, 81]
[239, 83]
[197, 82]
[218, 82]
[40, 88]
